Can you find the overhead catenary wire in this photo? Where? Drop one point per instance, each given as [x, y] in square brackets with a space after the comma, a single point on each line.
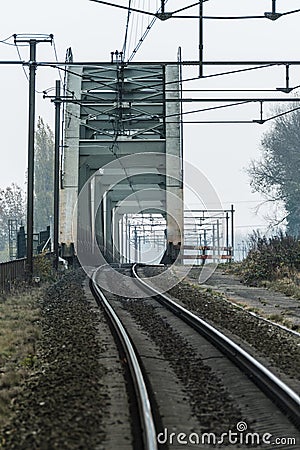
[247, 101]
[210, 109]
[4, 41]
[214, 75]
[196, 78]
[220, 17]
[123, 7]
[17, 45]
[206, 100]
[172, 14]
[184, 63]
[56, 57]
[190, 112]
[188, 7]
[261, 122]
[144, 35]
[290, 12]
[25, 73]
[18, 51]
[281, 114]
[187, 80]
[126, 29]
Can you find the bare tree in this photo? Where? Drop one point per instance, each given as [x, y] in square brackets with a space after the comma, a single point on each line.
[12, 206]
[44, 176]
[276, 175]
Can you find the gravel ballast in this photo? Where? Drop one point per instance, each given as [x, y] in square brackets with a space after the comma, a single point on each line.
[211, 403]
[75, 396]
[270, 342]
[218, 395]
[278, 345]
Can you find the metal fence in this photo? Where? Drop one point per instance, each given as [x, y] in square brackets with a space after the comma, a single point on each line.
[11, 271]
[209, 253]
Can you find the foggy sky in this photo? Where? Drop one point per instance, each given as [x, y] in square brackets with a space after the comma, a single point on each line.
[222, 152]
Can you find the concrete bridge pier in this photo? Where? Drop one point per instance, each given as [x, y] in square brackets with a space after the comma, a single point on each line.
[174, 182]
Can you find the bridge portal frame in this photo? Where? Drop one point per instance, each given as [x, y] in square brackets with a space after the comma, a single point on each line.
[117, 111]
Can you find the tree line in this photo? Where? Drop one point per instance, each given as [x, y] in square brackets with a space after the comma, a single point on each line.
[275, 175]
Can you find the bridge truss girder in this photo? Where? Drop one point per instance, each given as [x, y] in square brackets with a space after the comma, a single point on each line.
[118, 111]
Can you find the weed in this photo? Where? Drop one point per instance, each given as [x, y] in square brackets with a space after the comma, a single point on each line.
[281, 319]
[287, 286]
[253, 309]
[272, 262]
[29, 361]
[43, 268]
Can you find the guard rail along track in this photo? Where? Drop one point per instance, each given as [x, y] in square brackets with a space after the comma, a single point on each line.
[284, 397]
[142, 397]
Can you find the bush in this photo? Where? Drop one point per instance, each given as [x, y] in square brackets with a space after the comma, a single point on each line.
[270, 259]
[43, 268]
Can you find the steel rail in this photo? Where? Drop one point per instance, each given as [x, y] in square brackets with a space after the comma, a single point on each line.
[276, 389]
[146, 417]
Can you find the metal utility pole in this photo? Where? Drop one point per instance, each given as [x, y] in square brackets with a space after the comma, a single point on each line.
[126, 239]
[214, 242]
[227, 234]
[57, 102]
[135, 245]
[129, 247]
[33, 41]
[218, 240]
[139, 249]
[232, 232]
[30, 175]
[200, 38]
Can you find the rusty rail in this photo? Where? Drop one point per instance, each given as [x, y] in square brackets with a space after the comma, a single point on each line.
[11, 271]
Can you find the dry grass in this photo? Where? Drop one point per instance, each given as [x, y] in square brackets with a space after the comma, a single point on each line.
[19, 332]
[281, 319]
[287, 286]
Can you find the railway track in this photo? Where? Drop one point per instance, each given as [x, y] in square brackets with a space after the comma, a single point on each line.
[141, 397]
[284, 397]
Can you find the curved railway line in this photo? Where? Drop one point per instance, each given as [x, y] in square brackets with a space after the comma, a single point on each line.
[145, 419]
[149, 421]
